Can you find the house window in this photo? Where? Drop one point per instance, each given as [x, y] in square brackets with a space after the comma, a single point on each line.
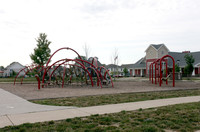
[162, 52]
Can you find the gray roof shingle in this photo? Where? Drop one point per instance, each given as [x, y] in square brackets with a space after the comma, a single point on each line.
[179, 57]
[157, 46]
[140, 63]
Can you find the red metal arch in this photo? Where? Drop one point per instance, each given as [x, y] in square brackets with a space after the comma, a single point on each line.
[94, 60]
[31, 70]
[86, 62]
[19, 73]
[82, 66]
[97, 68]
[67, 60]
[67, 48]
[80, 61]
[107, 73]
[156, 66]
[166, 66]
[99, 80]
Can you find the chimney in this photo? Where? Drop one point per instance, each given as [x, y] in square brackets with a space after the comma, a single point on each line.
[185, 51]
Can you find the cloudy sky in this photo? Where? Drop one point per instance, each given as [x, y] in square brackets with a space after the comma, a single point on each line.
[104, 25]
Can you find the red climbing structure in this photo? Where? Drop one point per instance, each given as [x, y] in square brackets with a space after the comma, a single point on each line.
[89, 70]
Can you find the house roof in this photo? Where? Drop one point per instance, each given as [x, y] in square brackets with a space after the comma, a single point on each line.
[140, 63]
[127, 65]
[111, 66]
[179, 58]
[12, 64]
[156, 46]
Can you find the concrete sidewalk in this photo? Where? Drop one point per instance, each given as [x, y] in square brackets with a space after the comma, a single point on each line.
[60, 114]
[12, 104]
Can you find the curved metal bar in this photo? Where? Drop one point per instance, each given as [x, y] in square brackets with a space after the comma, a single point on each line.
[59, 50]
[99, 80]
[19, 73]
[52, 56]
[86, 62]
[31, 70]
[108, 74]
[94, 60]
[173, 69]
[155, 63]
[82, 66]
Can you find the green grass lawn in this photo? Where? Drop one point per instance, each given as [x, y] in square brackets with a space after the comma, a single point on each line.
[11, 79]
[191, 78]
[181, 118]
[115, 98]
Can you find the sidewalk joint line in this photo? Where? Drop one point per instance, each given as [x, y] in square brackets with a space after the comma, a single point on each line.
[9, 119]
[83, 111]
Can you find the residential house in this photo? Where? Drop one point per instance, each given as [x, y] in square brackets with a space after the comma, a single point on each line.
[139, 68]
[180, 61]
[154, 52]
[13, 68]
[129, 68]
[1, 73]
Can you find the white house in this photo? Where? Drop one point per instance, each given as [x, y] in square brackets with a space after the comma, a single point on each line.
[13, 67]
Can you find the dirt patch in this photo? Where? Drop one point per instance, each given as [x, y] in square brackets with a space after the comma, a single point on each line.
[30, 91]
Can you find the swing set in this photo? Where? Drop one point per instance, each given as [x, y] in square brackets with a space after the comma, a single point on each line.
[156, 69]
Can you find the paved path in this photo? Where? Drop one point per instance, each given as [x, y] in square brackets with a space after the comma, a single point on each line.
[12, 104]
[20, 111]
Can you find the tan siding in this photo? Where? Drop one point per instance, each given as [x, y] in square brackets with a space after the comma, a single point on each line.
[151, 53]
[162, 51]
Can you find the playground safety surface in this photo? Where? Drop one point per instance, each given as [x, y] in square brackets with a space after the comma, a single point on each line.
[30, 91]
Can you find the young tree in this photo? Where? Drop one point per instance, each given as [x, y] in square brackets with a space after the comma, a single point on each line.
[189, 61]
[125, 71]
[177, 68]
[1, 67]
[42, 52]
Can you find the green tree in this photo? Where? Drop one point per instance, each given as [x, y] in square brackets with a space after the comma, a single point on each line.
[125, 70]
[13, 74]
[2, 68]
[42, 51]
[189, 61]
[177, 68]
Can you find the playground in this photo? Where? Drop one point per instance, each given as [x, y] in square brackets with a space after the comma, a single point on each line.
[122, 85]
[68, 71]
[81, 77]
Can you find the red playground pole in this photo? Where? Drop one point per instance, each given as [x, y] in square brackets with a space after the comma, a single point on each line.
[166, 69]
[38, 79]
[155, 72]
[152, 72]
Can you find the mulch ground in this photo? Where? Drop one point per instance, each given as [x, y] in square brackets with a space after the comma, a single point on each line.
[30, 91]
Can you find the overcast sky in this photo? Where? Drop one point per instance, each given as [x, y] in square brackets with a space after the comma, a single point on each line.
[127, 25]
